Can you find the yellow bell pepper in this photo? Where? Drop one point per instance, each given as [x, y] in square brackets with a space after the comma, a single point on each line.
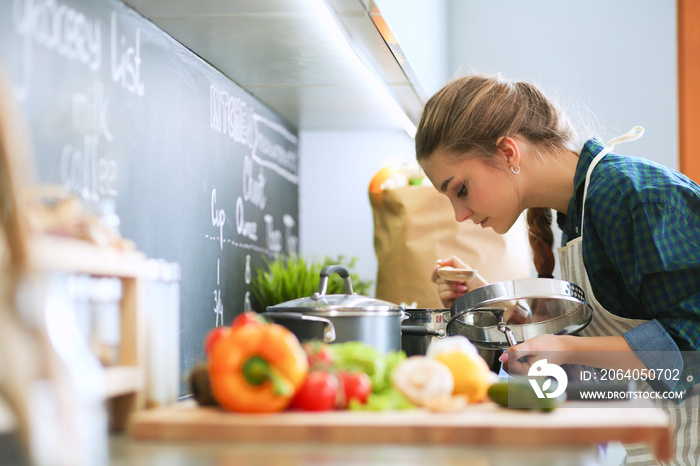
[471, 375]
[257, 368]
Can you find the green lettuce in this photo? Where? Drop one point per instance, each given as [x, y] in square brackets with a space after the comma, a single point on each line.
[356, 356]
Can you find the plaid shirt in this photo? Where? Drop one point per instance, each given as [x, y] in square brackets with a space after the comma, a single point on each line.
[641, 248]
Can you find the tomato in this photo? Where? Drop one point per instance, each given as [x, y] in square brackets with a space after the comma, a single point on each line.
[356, 386]
[214, 335]
[319, 354]
[246, 318]
[318, 392]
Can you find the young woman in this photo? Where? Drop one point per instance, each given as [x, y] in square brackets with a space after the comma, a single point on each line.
[631, 228]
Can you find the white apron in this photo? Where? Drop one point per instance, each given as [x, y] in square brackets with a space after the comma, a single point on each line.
[685, 418]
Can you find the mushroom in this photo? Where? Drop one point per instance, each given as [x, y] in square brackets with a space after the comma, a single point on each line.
[421, 379]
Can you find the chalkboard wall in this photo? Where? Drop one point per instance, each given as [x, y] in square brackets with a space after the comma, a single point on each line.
[200, 173]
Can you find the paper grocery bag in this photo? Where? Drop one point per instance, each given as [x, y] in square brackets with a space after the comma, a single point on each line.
[415, 225]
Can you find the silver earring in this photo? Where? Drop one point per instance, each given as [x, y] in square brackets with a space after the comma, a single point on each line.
[515, 172]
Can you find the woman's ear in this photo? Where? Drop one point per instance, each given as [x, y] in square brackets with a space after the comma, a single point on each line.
[509, 152]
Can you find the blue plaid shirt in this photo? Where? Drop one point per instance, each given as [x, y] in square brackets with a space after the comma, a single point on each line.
[641, 249]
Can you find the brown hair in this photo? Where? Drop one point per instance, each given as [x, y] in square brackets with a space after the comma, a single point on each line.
[473, 113]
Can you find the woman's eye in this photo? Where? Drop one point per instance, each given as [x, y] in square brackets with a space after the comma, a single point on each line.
[463, 191]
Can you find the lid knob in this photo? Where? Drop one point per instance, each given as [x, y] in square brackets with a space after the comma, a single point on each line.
[326, 273]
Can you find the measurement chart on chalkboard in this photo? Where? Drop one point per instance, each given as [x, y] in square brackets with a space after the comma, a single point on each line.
[197, 170]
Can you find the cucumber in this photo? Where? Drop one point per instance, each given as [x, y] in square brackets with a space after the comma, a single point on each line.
[518, 393]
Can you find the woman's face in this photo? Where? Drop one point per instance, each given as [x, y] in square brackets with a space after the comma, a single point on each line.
[479, 192]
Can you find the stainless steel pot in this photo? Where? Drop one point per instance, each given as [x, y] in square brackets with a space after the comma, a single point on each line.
[433, 321]
[557, 307]
[354, 317]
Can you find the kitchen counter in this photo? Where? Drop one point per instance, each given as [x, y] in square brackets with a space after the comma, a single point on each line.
[483, 434]
[574, 434]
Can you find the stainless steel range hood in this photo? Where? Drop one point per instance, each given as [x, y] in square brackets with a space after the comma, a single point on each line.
[282, 52]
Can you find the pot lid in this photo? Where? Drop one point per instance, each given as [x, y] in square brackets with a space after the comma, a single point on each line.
[321, 303]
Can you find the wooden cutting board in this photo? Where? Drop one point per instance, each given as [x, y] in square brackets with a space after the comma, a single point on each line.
[574, 423]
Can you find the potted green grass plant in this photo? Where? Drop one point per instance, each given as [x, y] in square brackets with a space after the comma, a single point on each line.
[291, 277]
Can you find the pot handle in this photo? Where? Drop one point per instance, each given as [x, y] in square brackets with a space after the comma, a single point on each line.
[327, 272]
[421, 331]
[508, 333]
[328, 328]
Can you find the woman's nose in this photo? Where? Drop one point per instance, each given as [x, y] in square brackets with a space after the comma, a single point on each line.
[462, 214]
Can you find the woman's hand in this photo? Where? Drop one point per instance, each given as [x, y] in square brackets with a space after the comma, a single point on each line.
[608, 352]
[519, 358]
[449, 290]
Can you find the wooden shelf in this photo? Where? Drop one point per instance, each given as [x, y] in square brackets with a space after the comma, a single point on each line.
[73, 255]
[125, 381]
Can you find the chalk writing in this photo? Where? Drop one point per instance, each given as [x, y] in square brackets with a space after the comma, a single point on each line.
[283, 159]
[218, 217]
[253, 188]
[230, 115]
[243, 227]
[218, 307]
[84, 172]
[248, 274]
[290, 238]
[273, 237]
[240, 245]
[218, 302]
[126, 60]
[247, 306]
[58, 28]
[89, 111]
[83, 169]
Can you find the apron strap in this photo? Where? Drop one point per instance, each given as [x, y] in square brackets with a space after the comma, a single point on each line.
[631, 135]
